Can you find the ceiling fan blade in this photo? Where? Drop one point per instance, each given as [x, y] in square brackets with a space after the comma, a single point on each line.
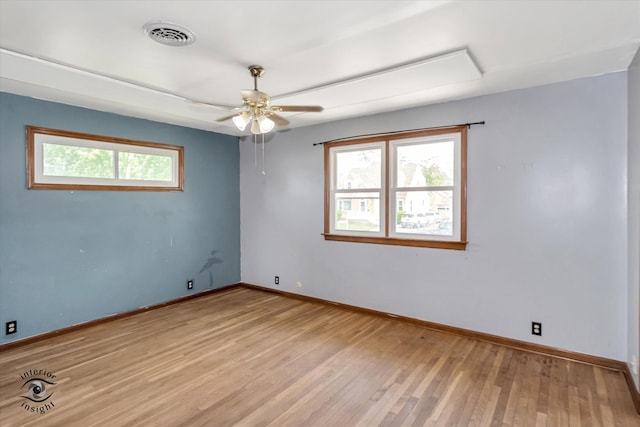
[279, 120]
[302, 108]
[230, 116]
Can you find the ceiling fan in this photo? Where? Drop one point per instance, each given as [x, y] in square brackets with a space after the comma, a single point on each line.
[258, 111]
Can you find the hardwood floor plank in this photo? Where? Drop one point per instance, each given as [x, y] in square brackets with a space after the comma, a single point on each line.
[244, 357]
[489, 392]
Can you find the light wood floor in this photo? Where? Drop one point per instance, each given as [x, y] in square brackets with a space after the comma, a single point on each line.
[250, 358]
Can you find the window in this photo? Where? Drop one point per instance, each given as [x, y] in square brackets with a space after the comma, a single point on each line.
[424, 171]
[61, 160]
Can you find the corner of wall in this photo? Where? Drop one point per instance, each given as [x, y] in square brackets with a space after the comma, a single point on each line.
[633, 219]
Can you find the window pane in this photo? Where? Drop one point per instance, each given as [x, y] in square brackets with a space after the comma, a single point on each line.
[69, 160]
[432, 213]
[146, 167]
[358, 212]
[425, 165]
[358, 169]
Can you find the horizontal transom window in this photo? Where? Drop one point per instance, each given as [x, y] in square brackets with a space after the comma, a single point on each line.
[74, 161]
[400, 189]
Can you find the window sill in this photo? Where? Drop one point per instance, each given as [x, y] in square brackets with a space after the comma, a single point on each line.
[79, 187]
[436, 244]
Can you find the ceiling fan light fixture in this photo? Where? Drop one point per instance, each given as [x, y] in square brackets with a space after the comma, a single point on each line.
[255, 127]
[242, 120]
[261, 124]
[257, 111]
[266, 124]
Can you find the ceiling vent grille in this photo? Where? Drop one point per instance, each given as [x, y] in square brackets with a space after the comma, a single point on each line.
[169, 34]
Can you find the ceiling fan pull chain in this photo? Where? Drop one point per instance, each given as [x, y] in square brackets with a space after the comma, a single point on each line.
[263, 171]
[255, 150]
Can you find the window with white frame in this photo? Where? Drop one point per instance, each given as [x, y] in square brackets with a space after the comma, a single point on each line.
[69, 160]
[423, 172]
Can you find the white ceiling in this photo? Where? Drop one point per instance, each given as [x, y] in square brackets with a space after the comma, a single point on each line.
[353, 57]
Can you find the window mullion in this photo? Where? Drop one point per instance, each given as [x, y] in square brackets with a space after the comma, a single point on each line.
[116, 164]
[386, 188]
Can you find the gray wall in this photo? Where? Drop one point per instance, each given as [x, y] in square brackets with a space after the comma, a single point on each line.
[72, 256]
[633, 327]
[546, 212]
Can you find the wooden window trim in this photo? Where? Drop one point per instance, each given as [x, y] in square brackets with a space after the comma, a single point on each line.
[460, 244]
[31, 171]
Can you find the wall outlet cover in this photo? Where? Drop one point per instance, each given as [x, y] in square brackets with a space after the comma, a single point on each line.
[536, 328]
[11, 327]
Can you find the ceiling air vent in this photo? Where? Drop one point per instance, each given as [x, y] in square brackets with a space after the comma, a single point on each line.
[169, 34]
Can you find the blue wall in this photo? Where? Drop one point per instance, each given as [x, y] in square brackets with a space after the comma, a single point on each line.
[68, 257]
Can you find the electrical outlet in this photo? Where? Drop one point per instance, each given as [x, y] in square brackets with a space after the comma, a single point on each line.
[189, 284]
[277, 280]
[12, 327]
[299, 284]
[536, 328]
